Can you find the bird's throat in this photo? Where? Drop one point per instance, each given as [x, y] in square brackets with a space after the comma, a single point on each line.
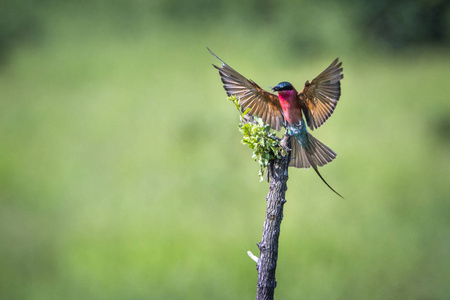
[290, 106]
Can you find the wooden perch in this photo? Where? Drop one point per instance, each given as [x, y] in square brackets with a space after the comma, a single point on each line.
[268, 247]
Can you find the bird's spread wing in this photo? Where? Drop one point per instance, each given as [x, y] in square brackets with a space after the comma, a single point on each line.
[319, 98]
[260, 102]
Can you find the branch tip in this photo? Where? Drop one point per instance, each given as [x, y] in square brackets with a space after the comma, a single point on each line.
[253, 257]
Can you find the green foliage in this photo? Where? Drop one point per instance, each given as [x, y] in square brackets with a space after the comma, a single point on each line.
[368, 24]
[18, 23]
[258, 137]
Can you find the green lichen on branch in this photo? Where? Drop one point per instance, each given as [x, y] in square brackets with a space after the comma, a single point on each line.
[258, 137]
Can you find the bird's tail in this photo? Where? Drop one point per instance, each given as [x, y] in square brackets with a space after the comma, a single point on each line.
[310, 152]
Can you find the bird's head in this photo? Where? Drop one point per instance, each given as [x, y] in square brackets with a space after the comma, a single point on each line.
[285, 91]
[283, 86]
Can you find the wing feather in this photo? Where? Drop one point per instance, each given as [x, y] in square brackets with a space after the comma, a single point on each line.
[319, 98]
[261, 103]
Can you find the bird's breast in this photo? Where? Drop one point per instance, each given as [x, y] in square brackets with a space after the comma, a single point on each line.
[291, 108]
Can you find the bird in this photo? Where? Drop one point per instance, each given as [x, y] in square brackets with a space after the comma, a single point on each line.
[315, 102]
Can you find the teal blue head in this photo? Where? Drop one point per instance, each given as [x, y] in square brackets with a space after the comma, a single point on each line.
[283, 86]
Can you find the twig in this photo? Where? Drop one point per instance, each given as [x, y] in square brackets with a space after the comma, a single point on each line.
[252, 256]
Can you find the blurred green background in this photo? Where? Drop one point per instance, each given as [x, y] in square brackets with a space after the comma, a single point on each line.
[122, 175]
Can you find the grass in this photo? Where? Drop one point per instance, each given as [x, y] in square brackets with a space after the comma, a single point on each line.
[122, 176]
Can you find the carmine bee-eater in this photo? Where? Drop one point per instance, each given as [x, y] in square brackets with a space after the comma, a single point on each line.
[316, 101]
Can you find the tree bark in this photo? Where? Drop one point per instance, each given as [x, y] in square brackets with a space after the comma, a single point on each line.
[268, 247]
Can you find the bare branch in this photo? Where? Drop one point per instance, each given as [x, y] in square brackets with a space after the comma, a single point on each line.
[268, 247]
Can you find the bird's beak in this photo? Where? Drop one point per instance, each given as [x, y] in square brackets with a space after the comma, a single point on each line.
[275, 88]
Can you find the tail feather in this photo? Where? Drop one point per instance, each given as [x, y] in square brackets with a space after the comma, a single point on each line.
[315, 155]
[298, 155]
[317, 171]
